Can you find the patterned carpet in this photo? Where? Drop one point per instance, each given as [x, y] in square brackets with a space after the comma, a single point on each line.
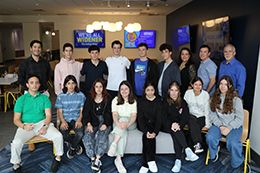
[40, 161]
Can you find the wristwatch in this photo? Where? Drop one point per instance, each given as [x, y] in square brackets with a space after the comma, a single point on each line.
[45, 125]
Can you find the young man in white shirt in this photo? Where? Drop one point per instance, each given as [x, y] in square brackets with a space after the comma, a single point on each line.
[117, 66]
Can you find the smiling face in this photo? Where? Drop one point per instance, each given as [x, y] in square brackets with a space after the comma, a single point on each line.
[116, 49]
[223, 86]
[149, 91]
[68, 53]
[197, 86]
[229, 52]
[98, 88]
[71, 85]
[174, 92]
[33, 84]
[124, 91]
[185, 56]
[36, 49]
[204, 53]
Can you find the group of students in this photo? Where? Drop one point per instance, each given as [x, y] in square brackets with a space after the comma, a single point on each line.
[113, 108]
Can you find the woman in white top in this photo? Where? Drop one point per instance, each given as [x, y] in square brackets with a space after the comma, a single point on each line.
[198, 103]
[124, 112]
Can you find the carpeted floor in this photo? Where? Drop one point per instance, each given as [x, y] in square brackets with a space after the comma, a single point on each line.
[40, 161]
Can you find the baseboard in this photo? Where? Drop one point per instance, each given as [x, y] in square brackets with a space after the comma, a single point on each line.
[255, 157]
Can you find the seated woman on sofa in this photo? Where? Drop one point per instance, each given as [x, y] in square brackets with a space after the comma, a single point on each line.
[98, 120]
[227, 116]
[124, 112]
[198, 102]
[149, 121]
[177, 116]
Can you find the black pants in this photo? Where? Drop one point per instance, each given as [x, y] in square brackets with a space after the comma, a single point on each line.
[195, 126]
[148, 150]
[74, 140]
[179, 142]
[113, 94]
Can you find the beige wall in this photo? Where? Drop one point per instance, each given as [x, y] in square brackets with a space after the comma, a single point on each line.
[66, 25]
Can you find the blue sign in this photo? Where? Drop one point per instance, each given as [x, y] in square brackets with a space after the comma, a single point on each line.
[82, 39]
[183, 35]
[131, 40]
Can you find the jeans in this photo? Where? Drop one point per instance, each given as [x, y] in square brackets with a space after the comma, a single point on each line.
[234, 144]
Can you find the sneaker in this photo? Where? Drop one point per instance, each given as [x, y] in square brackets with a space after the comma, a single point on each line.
[119, 166]
[217, 154]
[177, 166]
[143, 169]
[55, 165]
[198, 148]
[96, 165]
[18, 170]
[190, 156]
[79, 150]
[112, 150]
[152, 166]
[71, 153]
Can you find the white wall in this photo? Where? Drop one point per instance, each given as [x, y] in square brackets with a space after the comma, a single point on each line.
[66, 25]
[255, 121]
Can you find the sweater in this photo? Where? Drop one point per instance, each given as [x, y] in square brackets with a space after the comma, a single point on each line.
[149, 115]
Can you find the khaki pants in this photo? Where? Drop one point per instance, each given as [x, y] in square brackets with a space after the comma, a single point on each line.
[23, 136]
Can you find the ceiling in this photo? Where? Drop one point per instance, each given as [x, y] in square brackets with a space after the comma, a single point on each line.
[90, 7]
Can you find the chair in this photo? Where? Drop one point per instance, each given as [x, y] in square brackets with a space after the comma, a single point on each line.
[244, 139]
[13, 93]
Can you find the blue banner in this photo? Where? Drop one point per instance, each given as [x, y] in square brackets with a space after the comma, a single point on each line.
[82, 39]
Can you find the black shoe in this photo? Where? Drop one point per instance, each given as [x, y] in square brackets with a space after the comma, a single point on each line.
[55, 165]
[198, 148]
[18, 170]
[96, 165]
[71, 153]
[79, 150]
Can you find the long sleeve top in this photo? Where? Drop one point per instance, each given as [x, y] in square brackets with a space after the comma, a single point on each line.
[175, 115]
[232, 120]
[63, 69]
[92, 110]
[149, 115]
[198, 105]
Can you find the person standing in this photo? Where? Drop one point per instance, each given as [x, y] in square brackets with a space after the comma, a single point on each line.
[93, 68]
[142, 70]
[66, 66]
[233, 68]
[35, 64]
[168, 70]
[207, 70]
[117, 68]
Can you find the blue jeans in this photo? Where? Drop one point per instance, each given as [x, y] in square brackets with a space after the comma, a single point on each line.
[234, 144]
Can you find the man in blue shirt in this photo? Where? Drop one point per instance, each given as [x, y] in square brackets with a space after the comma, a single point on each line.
[207, 69]
[233, 68]
[142, 70]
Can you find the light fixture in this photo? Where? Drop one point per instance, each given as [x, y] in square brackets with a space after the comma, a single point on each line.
[128, 4]
[133, 27]
[53, 34]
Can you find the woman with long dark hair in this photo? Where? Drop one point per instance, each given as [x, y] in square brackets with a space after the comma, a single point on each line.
[198, 102]
[97, 120]
[187, 69]
[149, 115]
[177, 116]
[124, 112]
[227, 115]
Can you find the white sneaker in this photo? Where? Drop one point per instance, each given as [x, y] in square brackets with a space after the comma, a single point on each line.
[143, 170]
[112, 150]
[119, 166]
[177, 166]
[198, 148]
[152, 166]
[190, 156]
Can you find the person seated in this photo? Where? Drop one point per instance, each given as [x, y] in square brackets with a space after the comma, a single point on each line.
[227, 116]
[97, 120]
[198, 102]
[176, 117]
[32, 116]
[149, 121]
[69, 106]
[124, 112]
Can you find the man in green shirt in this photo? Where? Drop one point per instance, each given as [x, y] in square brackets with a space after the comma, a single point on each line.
[32, 116]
